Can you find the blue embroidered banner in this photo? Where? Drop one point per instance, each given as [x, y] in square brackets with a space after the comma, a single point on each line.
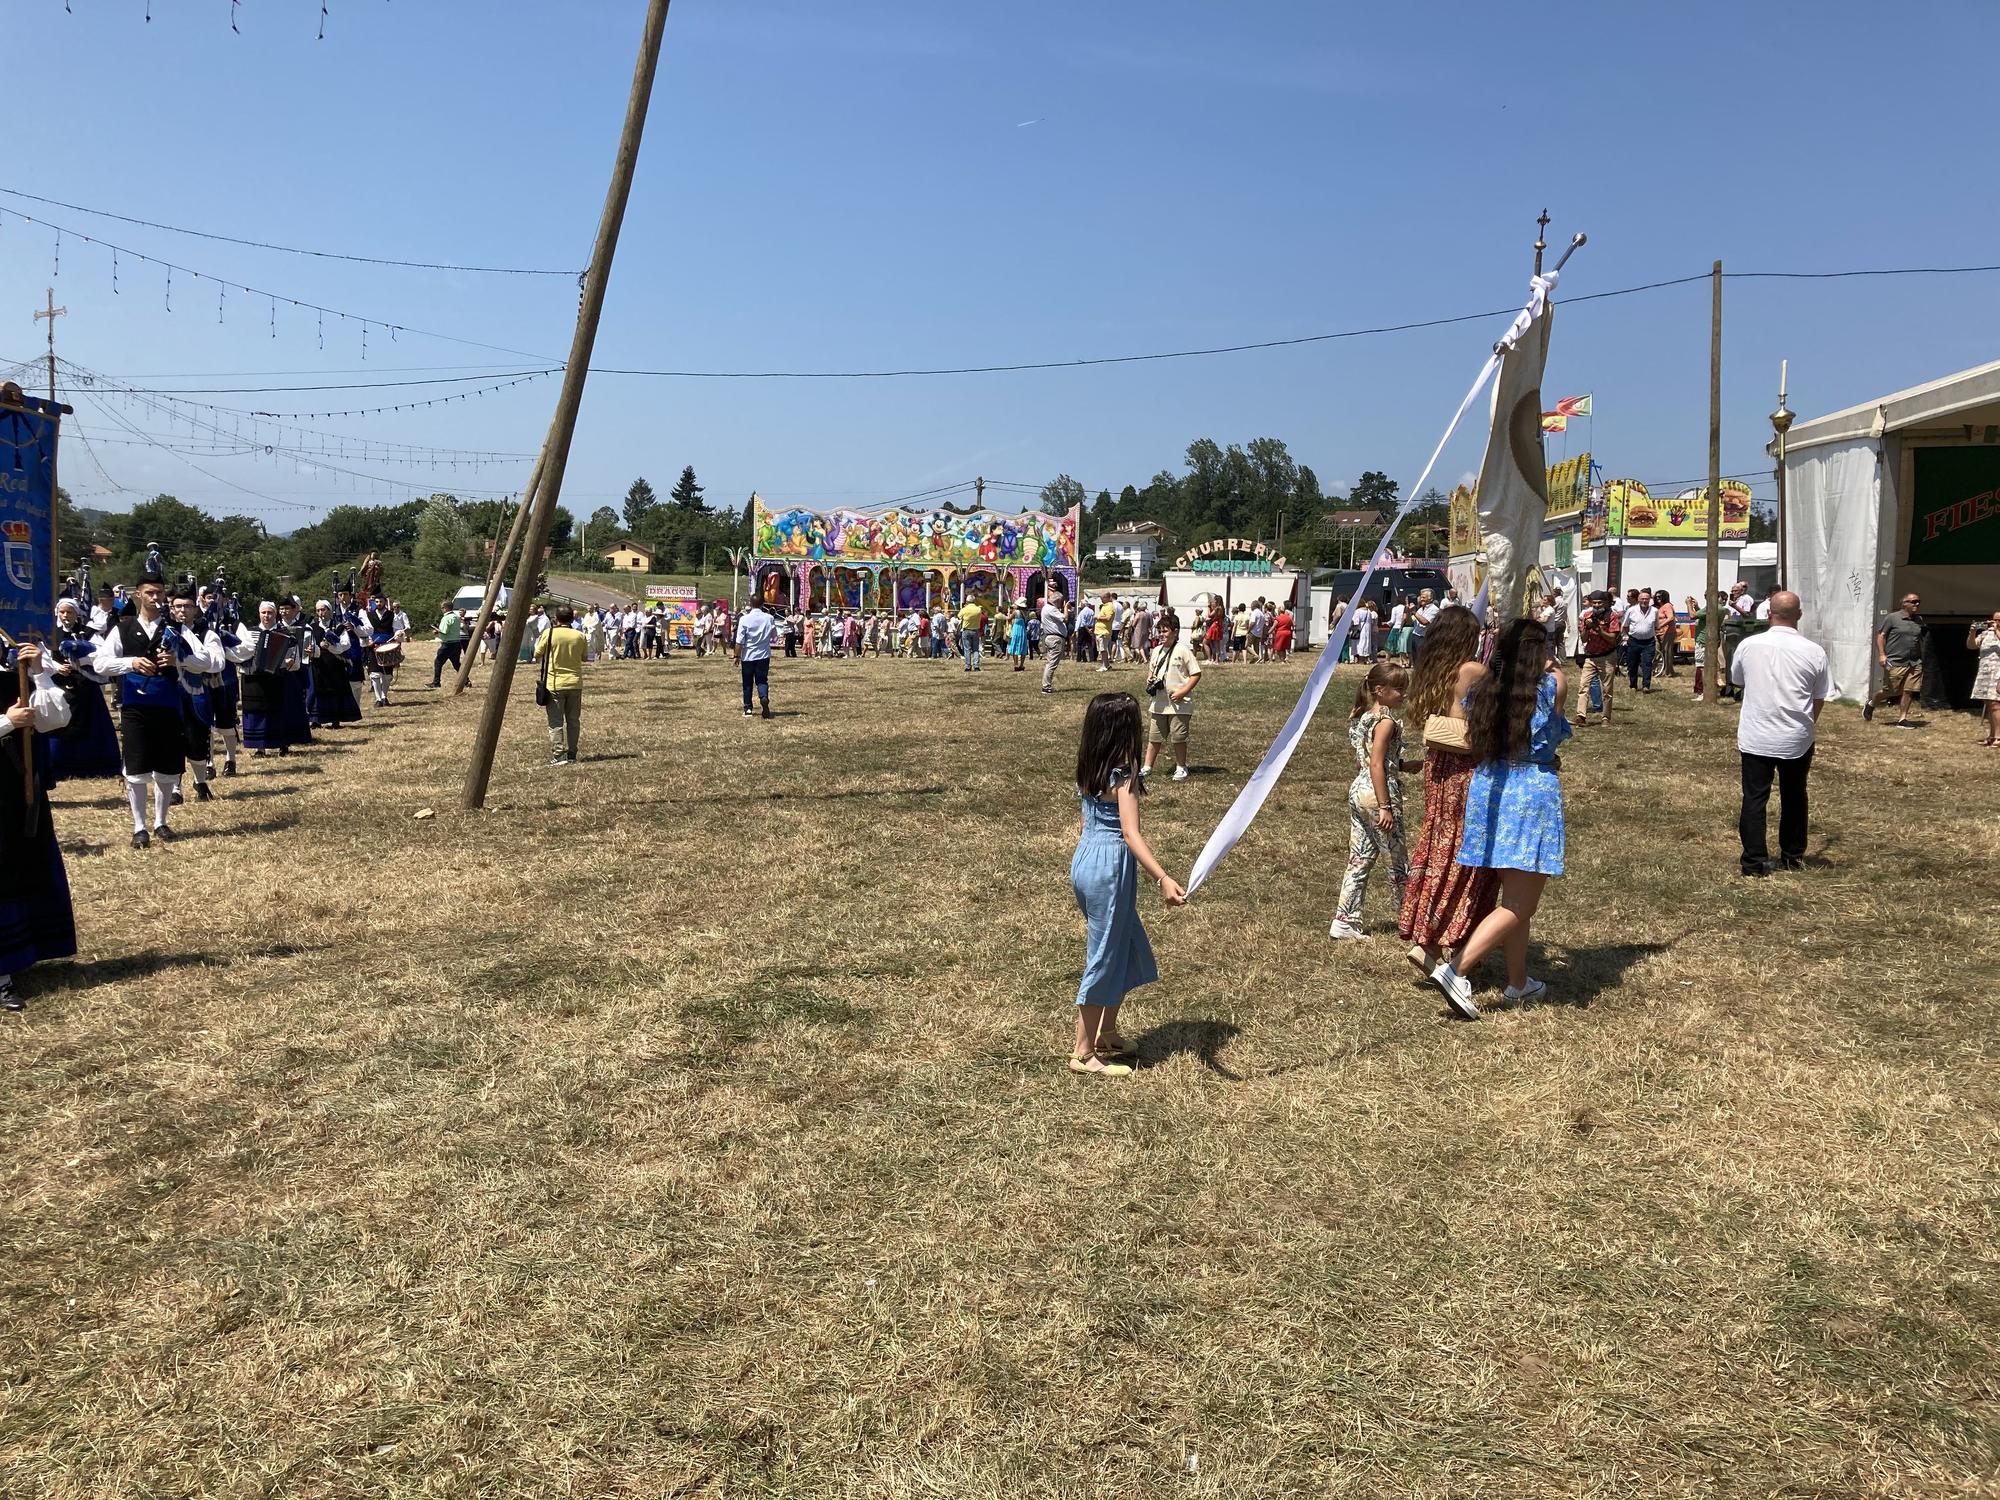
[28, 434]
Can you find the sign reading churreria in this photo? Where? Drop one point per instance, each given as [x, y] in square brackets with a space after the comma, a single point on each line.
[1231, 555]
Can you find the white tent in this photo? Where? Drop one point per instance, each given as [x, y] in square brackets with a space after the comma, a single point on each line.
[1894, 494]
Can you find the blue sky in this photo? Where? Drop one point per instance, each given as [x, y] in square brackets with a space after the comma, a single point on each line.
[840, 187]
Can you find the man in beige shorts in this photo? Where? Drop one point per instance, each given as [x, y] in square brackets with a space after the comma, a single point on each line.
[1899, 647]
[1172, 675]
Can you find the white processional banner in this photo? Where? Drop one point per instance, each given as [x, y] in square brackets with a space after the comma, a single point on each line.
[1236, 821]
[1512, 492]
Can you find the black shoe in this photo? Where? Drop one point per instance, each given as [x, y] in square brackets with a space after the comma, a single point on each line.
[1791, 864]
[767, 710]
[11, 1001]
[164, 834]
[202, 793]
[1868, 710]
[140, 840]
[229, 767]
[256, 754]
[176, 799]
[1756, 867]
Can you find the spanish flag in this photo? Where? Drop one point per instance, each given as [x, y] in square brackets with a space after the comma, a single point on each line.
[1555, 421]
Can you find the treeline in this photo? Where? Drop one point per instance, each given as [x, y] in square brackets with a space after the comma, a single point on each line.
[1255, 490]
[685, 533]
[442, 533]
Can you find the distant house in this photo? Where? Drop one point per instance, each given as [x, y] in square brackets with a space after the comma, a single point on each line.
[628, 556]
[1135, 545]
[1348, 520]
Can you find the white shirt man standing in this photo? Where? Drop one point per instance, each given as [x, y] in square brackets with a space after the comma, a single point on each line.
[1784, 682]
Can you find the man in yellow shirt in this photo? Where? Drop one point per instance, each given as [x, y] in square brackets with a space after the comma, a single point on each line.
[560, 650]
[971, 630]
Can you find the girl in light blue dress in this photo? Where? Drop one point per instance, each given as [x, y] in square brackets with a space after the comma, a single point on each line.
[1513, 806]
[1104, 873]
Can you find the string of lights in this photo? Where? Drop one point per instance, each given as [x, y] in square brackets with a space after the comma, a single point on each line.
[230, 239]
[224, 286]
[391, 450]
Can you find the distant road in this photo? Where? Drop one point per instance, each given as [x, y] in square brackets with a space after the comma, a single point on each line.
[571, 587]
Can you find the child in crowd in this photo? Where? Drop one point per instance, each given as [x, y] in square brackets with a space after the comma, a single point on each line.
[1375, 797]
[1104, 873]
[1513, 807]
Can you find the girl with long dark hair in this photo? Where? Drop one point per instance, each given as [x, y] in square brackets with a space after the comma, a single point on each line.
[1513, 806]
[1104, 873]
[1444, 899]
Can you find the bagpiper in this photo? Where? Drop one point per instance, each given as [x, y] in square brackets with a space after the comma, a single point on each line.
[201, 661]
[225, 696]
[139, 650]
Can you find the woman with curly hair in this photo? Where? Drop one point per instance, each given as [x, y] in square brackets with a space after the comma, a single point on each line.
[1444, 899]
[1513, 806]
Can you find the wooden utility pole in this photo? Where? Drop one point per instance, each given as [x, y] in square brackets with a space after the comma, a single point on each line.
[52, 312]
[979, 493]
[1712, 655]
[562, 428]
[495, 574]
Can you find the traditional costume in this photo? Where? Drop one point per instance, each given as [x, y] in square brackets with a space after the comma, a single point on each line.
[298, 723]
[386, 648]
[144, 655]
[329, 695]
[225, 692]
[37, 922]
[262, 659]
[200, 668]
[88, 747]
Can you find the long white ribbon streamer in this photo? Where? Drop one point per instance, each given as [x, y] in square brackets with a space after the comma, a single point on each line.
[1250, 800]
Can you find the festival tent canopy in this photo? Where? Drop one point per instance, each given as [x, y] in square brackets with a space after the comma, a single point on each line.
[1893, 494]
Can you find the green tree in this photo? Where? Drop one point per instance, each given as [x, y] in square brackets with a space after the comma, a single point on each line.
[1127, 507]
[179, 529]
[443, 539]
[1060, 495]
[640, 504]
[1426, 530]
[600, 530]
[1373, 491]
[562, 529]
[687, 494]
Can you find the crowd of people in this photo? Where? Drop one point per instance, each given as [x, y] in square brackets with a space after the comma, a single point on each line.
[196, 687]
[1490, 711]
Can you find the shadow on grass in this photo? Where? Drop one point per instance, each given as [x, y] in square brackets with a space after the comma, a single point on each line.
[276, 824]
[83, 974]
[1202, 1039]
[758, 799]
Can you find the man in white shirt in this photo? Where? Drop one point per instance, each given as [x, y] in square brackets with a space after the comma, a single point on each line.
[1741, 604]
[755, 630]
[1784, 682]
[1055, 636]
[1641, 629]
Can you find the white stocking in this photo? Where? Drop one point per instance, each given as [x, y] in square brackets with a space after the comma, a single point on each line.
[135, 793]
[163, 797]
[228, 745]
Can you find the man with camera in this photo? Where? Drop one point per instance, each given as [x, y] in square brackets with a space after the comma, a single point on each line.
[1172, 675]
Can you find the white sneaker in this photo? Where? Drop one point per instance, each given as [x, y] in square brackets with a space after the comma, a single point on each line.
[1531, 993]
[1180, 773]
[1346, 931]
[1457, 990]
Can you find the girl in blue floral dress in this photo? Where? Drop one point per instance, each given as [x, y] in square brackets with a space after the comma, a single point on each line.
[1110, 852]
[1513, 806]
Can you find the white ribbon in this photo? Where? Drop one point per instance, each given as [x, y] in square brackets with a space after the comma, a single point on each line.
[1250, 800]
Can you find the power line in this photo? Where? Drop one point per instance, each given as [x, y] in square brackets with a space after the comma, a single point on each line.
[272, 298]
[228, 239]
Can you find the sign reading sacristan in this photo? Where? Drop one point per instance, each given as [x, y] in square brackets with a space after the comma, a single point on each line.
[29, 427]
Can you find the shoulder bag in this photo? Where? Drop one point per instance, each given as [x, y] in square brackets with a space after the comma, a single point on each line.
[543, 697]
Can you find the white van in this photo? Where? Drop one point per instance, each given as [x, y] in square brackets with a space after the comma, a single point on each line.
[467, 600]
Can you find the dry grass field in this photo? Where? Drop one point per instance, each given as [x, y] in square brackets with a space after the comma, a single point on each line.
[694, 1122]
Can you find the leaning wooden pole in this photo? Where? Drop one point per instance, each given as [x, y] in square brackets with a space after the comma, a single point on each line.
[1712, 655]
[496, 573]
[555, 452]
